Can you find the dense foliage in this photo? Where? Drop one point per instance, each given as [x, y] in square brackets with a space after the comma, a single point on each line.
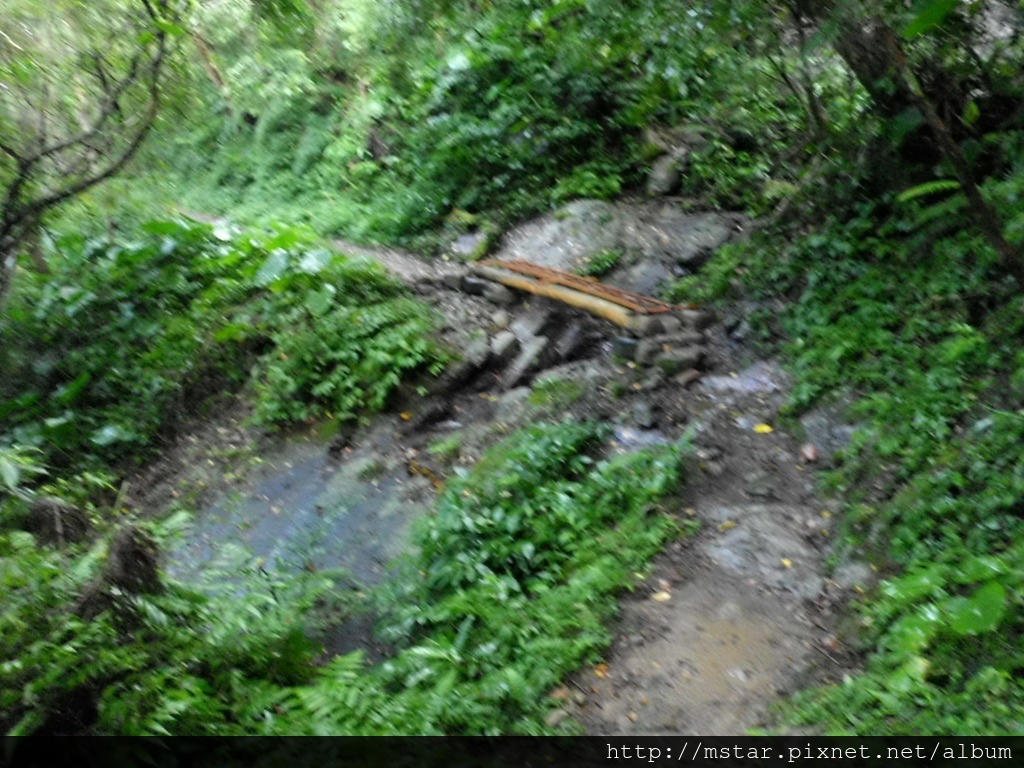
[879, 141]
[515, 574]
[118, 346]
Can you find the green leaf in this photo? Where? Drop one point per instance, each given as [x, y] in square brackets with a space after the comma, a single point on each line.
[981, 612]
[316, 261]
[931, 15]
[971, 113]
[928, 188]
[9, 473]
[273, 267]
[318, 302]
[170, 28]
[914, 586]
[913, 633]
[110, 434]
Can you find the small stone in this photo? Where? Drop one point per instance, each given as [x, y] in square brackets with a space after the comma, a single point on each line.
[569, 341]
[809, 453]
[646, 325]
[671, 324]
[527, 361]
[475, 356]
[694, 318]
[654, 380]
[624, 347]
[452, 281]
[555, 717]
[474, 286]
[677, 360]
[579, 697]
[469, 246]
[504, 346]
[496, 293]
[643, 414]
[653, 346]
[686, 378]
[501, 318]
[532, 323]
[665, 176]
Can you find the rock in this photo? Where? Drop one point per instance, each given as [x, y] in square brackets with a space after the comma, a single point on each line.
[655, 379]
[452, 280]
[587, 371]
[469, 247]
[758, 484]
[809, 453]
[695, 319]
[740, 331]
[501, 318]
[643, 414]
[660, 325]
[569, 341]
[677, 360]
[428, 413]
[533, 323]
[761, 546]
[666, 173]
[568, 236]
[827, 430]
[512, 405]
[475, 356]
[496, 293]
[852, 574]
[764, 378]
[528, 360]
[624, 347]
[645, 276]
[555, 717]
[686, 378]
[649, 349]
[474, 286]
[663, 235]
[504, 346]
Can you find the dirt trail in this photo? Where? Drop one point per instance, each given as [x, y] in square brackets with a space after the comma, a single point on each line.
[729, 621]
[733, 620]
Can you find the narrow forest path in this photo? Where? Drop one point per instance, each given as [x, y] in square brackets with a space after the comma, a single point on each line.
[733, 620]
[730, 620]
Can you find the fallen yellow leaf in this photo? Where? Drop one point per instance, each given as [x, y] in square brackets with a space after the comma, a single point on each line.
[787, 562]
[661, 597]
[727, 525]
[763, 429]
[406, 415]
[601, 670]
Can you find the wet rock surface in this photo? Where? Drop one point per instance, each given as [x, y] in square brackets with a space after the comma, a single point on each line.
[657, 240]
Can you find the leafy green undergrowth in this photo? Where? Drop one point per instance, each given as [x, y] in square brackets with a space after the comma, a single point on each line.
[901, 310]
[127, 337]
[514, 575]
[502, 112]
